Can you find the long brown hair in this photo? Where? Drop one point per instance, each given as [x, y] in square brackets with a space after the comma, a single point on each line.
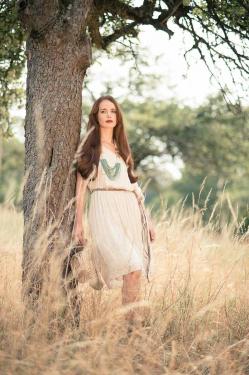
[89, 149]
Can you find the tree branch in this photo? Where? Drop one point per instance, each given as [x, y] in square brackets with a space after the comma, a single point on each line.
[125, 30]
[142, 15]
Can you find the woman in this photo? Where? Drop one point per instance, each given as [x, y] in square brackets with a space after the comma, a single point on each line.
[120, 228]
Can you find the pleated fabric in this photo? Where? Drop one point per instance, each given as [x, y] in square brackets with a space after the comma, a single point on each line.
[115, 224]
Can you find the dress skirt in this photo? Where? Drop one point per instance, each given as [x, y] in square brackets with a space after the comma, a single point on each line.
[115, 225]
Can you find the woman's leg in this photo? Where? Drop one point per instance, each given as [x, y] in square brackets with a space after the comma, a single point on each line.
[131, 290]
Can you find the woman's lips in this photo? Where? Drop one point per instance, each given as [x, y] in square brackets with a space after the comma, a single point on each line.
[109, 121]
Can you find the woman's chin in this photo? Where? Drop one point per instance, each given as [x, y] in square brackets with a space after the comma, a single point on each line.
[105, 125]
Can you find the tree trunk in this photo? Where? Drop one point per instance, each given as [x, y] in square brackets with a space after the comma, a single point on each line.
[58, 55]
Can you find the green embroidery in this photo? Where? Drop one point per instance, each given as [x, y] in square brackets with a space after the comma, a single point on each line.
[111, 172]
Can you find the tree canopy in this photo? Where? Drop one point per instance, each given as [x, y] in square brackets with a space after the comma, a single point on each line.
[218, 30]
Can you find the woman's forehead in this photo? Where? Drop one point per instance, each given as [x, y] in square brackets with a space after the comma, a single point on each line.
[106, 104]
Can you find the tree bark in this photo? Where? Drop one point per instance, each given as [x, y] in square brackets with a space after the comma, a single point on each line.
[58, 55]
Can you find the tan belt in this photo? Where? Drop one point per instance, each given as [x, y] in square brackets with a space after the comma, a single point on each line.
[145, 226]
[111, 188]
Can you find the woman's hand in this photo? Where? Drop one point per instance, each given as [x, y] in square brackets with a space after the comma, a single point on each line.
[78, 235]
[152, 232]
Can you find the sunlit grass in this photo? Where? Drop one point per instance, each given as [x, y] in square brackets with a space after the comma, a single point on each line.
[197, 309]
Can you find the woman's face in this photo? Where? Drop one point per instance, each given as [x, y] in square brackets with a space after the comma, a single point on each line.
[107, 114]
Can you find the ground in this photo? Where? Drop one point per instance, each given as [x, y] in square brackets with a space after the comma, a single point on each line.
[196, 309]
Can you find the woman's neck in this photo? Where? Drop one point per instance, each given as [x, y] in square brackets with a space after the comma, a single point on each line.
[106, 135]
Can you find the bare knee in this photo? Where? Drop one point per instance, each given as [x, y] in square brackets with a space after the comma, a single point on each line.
[136, 275]
[133, 276]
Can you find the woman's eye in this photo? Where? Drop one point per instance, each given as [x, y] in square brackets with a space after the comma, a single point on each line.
[106, 111]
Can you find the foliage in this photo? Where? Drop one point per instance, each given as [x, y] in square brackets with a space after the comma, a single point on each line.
[11, 171]
[209, 139]
[219, 31]
[212, 142]
[12, 61]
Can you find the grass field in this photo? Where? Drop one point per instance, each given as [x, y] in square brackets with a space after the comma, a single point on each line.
[197, 309]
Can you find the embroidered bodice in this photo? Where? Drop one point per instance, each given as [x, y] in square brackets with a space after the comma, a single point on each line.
[112, 172]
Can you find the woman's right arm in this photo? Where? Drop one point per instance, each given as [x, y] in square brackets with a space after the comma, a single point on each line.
[78, 231]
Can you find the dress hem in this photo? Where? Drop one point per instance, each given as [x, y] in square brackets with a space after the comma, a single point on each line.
[118, 277]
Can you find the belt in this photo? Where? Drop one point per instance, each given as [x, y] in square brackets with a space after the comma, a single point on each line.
[112, 188]
[145, 226]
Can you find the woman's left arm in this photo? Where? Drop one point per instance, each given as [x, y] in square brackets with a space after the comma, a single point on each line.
[150, 225]
[141, 197]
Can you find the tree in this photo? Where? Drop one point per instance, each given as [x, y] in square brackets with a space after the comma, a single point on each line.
[59, 38]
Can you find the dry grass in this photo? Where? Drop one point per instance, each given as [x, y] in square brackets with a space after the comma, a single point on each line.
[197, 323]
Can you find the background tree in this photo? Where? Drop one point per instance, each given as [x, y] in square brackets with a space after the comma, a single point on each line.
[12, 61]
[209, 139]
[11, 174]
[59, 37]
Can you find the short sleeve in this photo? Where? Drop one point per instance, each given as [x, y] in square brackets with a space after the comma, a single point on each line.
[91, 177]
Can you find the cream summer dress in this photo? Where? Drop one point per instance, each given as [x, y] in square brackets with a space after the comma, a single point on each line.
[119, 235]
